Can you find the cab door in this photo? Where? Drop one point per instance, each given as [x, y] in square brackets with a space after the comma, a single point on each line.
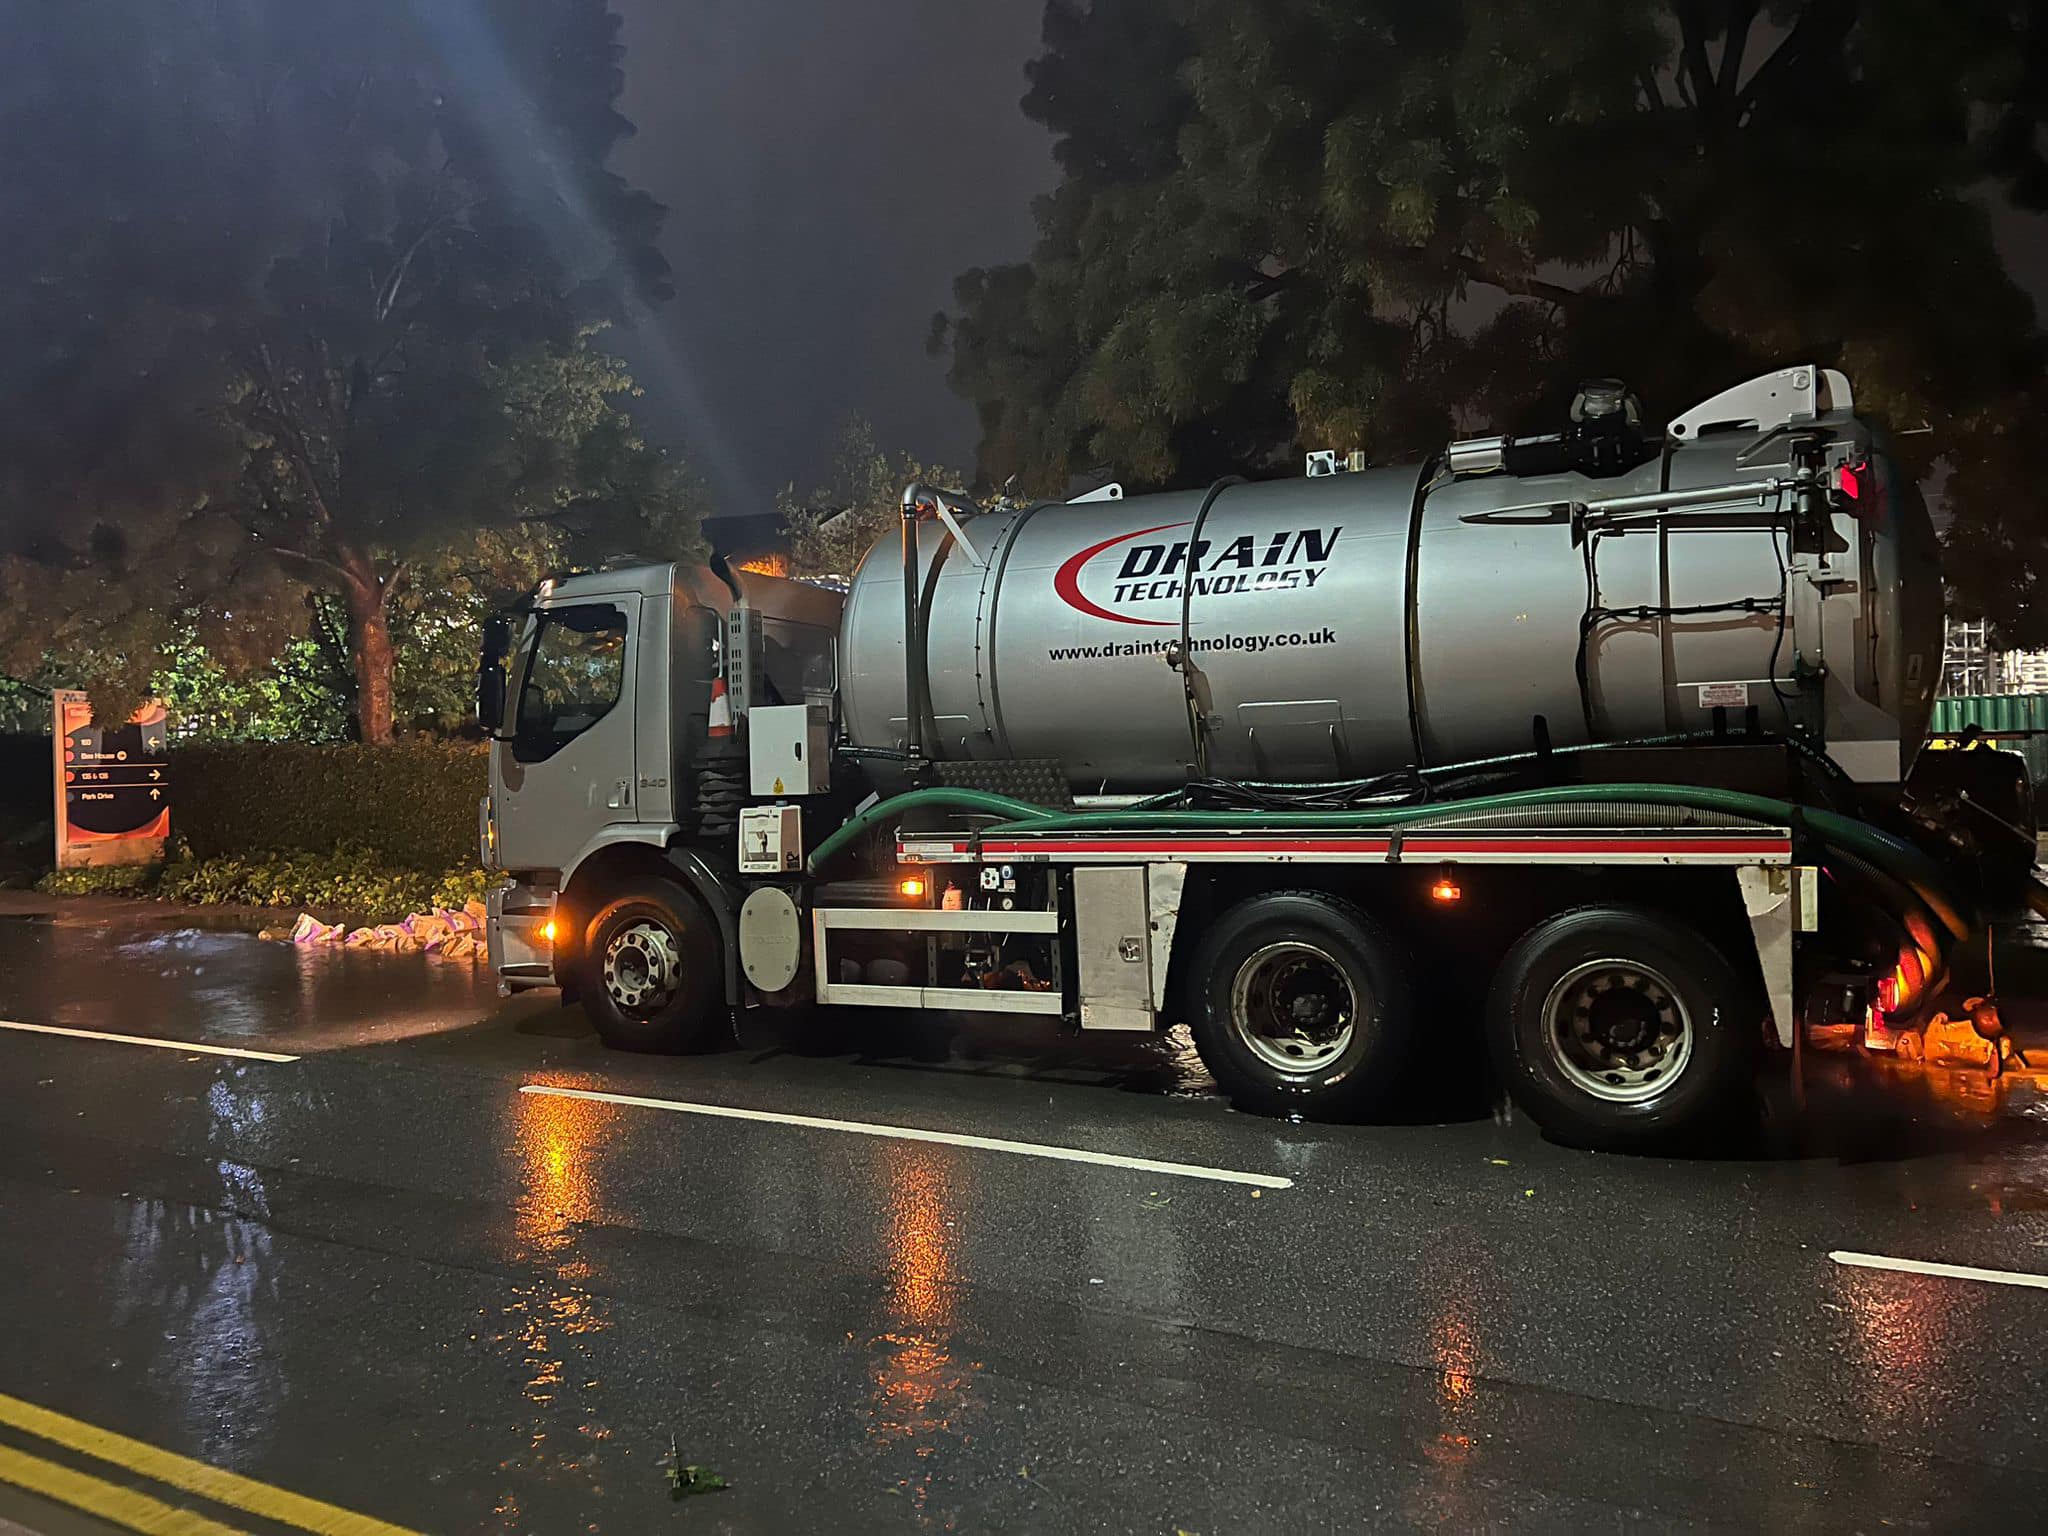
[566, 770]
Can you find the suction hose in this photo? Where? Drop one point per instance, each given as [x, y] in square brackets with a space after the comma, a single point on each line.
[1896, 857]
[973, 801]
[2035, 895]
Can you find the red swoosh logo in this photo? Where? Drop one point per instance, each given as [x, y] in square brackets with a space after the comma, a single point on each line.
[1067, 579]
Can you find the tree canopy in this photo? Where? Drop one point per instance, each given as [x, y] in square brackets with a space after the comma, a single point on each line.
[298, 299]
[862, 502]
[1368, 224]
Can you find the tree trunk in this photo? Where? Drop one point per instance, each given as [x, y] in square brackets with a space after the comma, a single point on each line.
[369, 645]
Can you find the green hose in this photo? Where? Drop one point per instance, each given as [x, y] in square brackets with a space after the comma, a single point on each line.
[1897, 857]
[1900, 858]
[975, 801]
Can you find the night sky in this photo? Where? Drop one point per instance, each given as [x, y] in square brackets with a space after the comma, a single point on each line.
[829, 167]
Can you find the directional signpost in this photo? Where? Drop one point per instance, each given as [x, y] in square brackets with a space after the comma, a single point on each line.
[113, 785]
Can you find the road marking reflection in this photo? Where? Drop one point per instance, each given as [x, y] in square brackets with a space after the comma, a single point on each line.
[915, 1133]
[1941, 1271]
[150, 1040]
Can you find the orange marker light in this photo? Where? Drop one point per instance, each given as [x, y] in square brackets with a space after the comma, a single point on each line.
[911, 885]
[547, 931]
[1446, 888]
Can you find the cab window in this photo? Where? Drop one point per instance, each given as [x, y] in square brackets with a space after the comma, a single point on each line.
[574, 675]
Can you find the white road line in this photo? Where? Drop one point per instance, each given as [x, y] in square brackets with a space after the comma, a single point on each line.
[1945, 1271]
[913, 1133]
[162, 1045]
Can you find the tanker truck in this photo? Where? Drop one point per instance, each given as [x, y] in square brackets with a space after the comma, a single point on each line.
[1592, 755]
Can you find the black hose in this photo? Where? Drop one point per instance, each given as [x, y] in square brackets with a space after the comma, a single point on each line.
[1891, 895]
[1909, 916]
[2035, 895]
[1197, 727]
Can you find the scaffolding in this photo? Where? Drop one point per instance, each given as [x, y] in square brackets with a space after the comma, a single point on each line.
[1969, 667]
[2023, 672]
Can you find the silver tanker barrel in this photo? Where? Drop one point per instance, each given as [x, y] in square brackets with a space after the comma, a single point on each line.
[1779, 573]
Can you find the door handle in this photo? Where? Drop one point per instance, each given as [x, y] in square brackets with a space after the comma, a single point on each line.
[622, 795]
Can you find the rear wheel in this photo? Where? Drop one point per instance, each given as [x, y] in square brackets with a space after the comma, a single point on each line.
[651, 978]
[1620, 1027]
[1301, 1006]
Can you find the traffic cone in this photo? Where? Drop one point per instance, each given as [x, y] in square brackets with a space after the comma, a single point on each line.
[720, 719]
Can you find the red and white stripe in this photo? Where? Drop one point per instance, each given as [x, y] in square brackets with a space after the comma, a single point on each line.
[1763, 846]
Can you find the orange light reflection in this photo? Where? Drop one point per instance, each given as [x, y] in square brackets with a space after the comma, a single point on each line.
[1446, 1494]
[1902, 1333]
[1456, 1353]
[920, 1385]
[557, 1142]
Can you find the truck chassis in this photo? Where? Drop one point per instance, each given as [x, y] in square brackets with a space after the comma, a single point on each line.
[1157, 867]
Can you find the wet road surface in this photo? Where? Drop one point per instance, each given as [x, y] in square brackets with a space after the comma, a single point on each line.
[384, 1276]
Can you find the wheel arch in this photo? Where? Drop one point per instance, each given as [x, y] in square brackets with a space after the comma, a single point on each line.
[1500, 903]
[1719, 988]
[1362, 1072]
[618, 863]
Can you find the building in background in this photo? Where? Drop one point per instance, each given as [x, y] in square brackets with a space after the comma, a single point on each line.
[1971, 666]
[2022, 672]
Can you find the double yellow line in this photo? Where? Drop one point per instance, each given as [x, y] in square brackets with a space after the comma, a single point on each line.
[137, 1511]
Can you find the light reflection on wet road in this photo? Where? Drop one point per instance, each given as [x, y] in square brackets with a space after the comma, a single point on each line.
[383, 1275]
[547, 1321]
[921, 1389]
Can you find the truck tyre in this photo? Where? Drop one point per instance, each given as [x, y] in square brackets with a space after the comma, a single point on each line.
[1301, 1006]
[1623, 1028]
[651, 979]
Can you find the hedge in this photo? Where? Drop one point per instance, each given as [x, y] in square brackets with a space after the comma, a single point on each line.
[351, 885]
[413, 805]
[25, 768]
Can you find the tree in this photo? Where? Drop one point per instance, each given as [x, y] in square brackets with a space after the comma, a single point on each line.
[299, 296]
[307, 692]
[1368, 224]
[361, 478]
[839, 522]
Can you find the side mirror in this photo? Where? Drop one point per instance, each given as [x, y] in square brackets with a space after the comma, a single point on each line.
[490, 673]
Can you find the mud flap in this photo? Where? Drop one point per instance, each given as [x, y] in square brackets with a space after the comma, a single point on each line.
[1779, 900]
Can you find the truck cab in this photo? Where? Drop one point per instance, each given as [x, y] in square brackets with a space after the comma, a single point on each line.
[613, 754]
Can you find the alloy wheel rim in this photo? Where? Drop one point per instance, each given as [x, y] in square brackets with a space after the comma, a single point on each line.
[1617, 1030]
[643, 967]
[1293, 1007]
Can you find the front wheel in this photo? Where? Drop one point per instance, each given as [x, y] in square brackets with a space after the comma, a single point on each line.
[651, 978]
[1301, 1007]
[1618, 1027]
